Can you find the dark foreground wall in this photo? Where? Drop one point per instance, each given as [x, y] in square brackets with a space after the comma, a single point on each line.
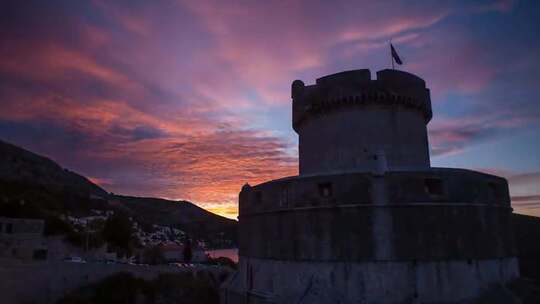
[527, 235]
[46, 282]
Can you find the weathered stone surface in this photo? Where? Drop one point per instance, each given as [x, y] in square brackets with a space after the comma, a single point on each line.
[445, 281]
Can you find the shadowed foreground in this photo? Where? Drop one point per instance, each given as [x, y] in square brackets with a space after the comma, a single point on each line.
[166, 288]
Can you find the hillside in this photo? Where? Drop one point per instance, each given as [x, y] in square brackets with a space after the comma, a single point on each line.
[180, 214]
[35, 186]
[21, 166]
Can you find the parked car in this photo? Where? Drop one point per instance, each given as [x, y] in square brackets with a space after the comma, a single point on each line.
[74, 259]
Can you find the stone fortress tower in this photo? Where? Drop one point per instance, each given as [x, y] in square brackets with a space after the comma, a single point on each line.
[368, 220]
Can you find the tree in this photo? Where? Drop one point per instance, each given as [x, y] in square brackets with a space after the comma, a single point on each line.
[118, 233]
[153, 255]
[188, 254]
[55, 226]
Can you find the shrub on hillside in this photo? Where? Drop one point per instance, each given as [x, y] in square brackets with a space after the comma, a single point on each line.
[56, 226]
[119, 234]
[167, 288]
[118, 288]
[153, 255]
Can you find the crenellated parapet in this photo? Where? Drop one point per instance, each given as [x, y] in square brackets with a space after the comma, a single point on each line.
[392, 88]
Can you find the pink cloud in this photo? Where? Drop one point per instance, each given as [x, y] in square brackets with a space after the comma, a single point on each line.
[452, 135]
[267, 45]
[156, 93]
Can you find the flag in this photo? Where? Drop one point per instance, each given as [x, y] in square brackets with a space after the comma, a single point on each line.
[395, 55]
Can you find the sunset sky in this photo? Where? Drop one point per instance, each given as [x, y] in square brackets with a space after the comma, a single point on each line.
[191, 99]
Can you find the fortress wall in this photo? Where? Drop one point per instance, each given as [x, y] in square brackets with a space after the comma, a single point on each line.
[399, 216]
[455, 281]
[433, 186]
[46, 282]
[379, 233]
[351, 139]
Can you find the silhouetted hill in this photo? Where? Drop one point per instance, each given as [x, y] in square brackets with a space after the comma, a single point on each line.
[181, 214]
[21, 166]
[35, 186]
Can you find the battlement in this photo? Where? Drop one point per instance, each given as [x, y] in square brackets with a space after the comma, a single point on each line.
[392, 88]
[353, 77]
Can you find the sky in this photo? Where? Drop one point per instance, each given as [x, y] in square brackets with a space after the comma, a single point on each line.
[191, 99]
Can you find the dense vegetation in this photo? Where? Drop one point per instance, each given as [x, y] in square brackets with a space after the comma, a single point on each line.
[118, 232]
[167, 288]
[25, 199]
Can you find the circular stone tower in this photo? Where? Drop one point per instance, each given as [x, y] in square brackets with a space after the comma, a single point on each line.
[368, 220]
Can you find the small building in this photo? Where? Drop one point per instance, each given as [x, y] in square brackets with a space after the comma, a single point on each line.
[22, 239]
[173, 252]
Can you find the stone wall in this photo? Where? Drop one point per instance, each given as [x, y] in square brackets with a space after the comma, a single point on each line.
[447, 281]
[431, 186]
[415, 215]
[22, 238]
[46, 282]
[365, 233]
